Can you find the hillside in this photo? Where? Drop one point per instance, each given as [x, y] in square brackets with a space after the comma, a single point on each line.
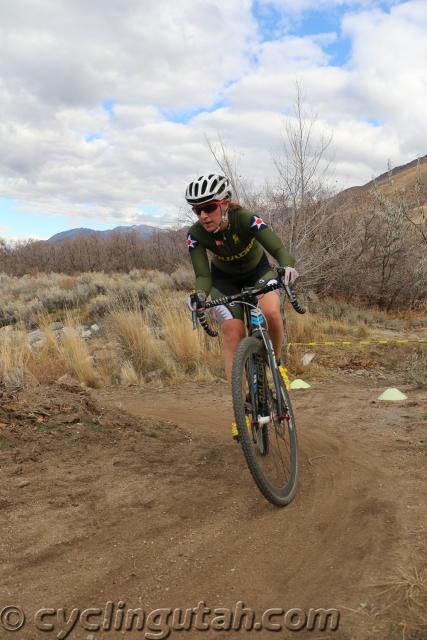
[402, 177]
[401, 180]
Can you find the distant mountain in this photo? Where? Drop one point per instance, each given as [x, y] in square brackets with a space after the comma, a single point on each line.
[71, 233]
[143, 230]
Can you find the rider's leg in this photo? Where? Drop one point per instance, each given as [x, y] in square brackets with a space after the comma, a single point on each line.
[270, 306]
[233, 331]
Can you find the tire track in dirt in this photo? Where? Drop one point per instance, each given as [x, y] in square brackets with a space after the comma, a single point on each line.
[343, 530]
[174, 517]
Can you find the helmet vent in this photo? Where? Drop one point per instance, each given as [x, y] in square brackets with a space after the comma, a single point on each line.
[207, 188]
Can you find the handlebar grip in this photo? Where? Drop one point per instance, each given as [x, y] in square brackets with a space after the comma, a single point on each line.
[293, 299]
[203, 321]
[218, 301]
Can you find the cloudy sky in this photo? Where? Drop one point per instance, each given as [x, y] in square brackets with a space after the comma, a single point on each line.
[105, 105]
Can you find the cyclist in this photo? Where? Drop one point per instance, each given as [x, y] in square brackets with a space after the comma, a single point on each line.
[237, 239]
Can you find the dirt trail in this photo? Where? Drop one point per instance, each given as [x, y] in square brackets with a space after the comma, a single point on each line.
[165, 514]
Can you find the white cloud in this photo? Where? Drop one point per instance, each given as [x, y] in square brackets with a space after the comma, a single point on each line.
[375, 104]
[390, 79]
[62, 152]
[157, 52]
[59, 61]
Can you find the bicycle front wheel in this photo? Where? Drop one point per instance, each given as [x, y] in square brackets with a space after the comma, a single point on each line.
[267, 435]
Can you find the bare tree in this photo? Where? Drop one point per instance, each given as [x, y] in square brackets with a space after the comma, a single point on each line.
[414, 209]
[387, 265]
[307, 216]
[228, 165]
[302, 170]
[299, 206]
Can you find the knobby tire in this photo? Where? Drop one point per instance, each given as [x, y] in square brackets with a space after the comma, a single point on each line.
[278, 492]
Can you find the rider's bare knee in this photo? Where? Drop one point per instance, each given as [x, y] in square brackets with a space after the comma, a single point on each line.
[233, 331]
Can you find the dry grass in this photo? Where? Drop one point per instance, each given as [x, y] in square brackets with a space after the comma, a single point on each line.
[160, 337]
[315, 328]
[15, 352]
[67, 282]
[193, 351]
[107, 362]
[416, 368]
[22, 299]
[183, 278]
[75, 353]
[314, 371]
[131, 328]
[404, 180]
[405, 598]
[50, 347]
[354, 315]
[184, 344]
[398, 358]
[128, 375]
[17, 358]
[52, 359]
[77, 358]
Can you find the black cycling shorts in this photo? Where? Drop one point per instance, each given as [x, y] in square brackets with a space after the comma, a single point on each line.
[224, 284]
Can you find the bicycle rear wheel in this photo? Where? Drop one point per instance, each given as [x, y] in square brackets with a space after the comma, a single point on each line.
[270, 443]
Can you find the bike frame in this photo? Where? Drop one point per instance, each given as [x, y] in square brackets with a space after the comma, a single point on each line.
[258, 329]
[249, 298]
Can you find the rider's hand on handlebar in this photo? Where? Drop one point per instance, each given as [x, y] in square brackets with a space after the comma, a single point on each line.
[287, 275]
[196, 300]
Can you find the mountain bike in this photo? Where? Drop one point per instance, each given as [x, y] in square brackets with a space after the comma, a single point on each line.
[260, 391]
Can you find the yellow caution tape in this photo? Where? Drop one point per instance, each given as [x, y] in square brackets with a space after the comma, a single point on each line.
[340, 343]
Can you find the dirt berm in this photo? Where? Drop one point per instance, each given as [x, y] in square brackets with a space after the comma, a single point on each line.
[140, 498]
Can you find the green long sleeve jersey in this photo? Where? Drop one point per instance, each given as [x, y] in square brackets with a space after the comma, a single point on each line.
[235, 251]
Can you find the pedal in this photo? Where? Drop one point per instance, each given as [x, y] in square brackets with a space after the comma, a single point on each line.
[235, 431]
[285, 377]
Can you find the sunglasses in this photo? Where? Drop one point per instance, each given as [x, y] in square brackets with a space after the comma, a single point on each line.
[207, 208]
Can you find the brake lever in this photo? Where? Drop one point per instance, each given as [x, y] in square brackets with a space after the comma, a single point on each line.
[194, 318]
[293, 299]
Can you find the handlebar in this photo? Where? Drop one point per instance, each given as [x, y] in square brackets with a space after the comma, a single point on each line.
[246, 295]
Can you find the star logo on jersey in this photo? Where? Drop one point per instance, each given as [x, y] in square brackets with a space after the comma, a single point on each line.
[258, 222]
[191, 242]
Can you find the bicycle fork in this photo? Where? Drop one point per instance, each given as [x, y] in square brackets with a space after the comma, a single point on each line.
[259, 382]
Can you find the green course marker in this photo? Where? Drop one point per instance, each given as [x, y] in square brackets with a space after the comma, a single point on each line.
[299, 384]
[392, 395]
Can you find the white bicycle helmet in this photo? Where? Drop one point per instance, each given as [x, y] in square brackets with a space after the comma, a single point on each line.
[207, 188]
